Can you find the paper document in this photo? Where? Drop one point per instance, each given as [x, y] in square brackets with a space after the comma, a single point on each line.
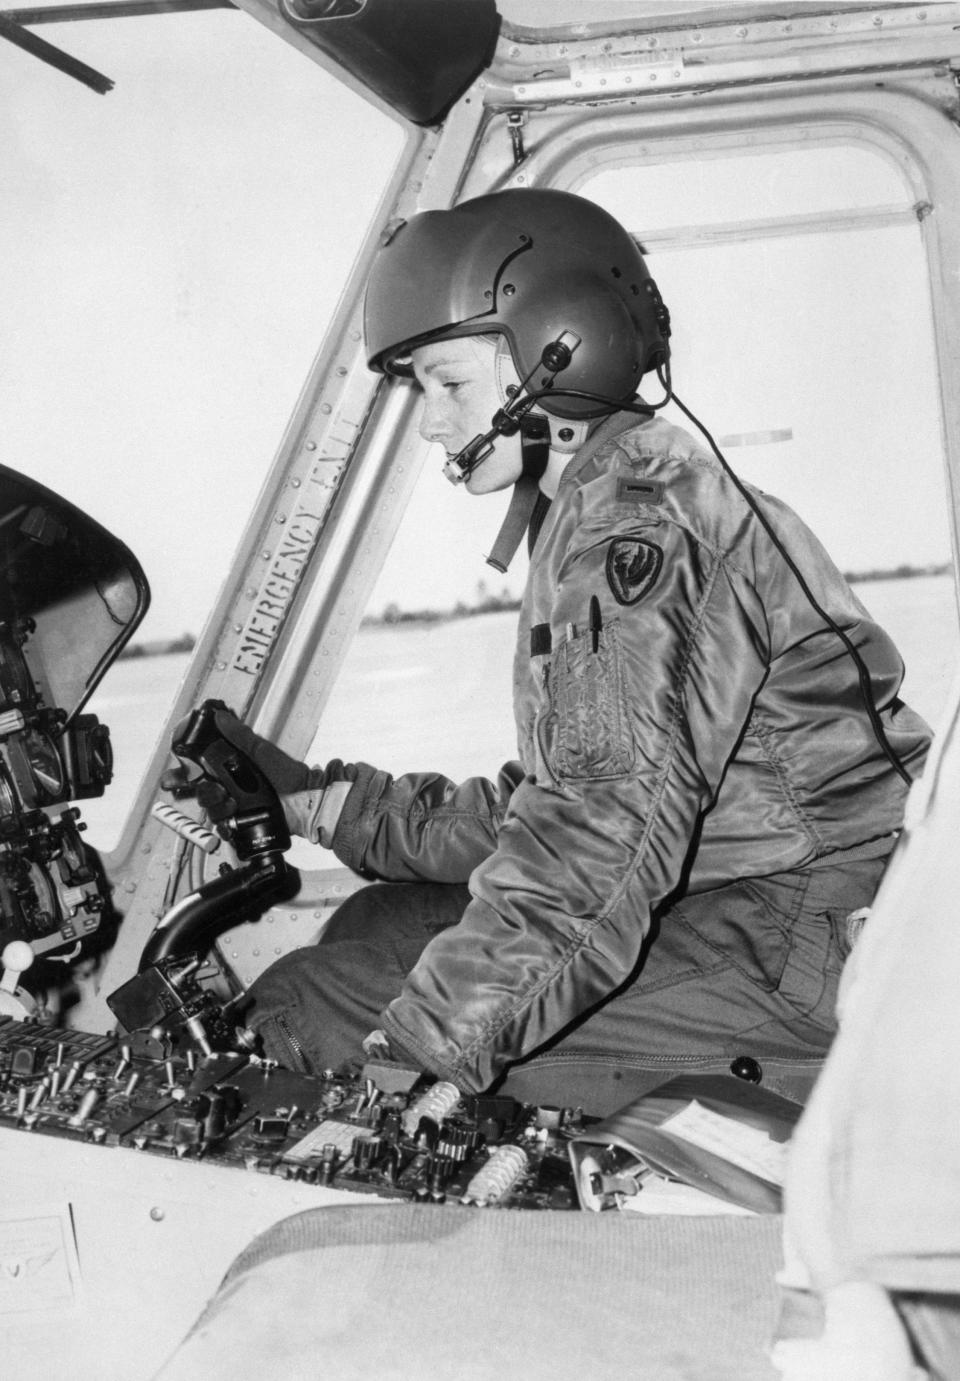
[38, 1261]
[658, 1195]
[747, 1147]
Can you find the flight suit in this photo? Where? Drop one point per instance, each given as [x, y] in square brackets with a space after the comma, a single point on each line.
[701, 800]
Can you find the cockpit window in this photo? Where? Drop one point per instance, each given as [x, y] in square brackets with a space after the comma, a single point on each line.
[171, 254]
[743, 191]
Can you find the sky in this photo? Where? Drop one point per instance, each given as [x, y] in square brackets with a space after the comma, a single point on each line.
[171, 253]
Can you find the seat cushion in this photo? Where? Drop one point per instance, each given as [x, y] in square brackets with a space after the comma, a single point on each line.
[409, 1291]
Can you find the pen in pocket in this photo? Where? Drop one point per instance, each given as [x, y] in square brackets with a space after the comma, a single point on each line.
[595, 623]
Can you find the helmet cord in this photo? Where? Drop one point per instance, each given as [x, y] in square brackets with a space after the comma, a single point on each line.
[863, 673]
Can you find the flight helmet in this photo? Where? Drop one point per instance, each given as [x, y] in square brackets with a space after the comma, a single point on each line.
[538, 266]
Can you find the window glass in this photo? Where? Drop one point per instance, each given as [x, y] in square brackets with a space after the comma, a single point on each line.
[170, 255]
[748, 187]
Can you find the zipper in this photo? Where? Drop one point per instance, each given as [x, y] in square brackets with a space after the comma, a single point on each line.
[292, 1042]
[538, 727]
[539, 722]
[625, 1061]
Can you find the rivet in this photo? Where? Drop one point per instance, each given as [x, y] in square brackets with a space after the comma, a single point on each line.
[280, 518]
[311, 446]
[238, 628]
[221, 666]
[326, 408]
[342, 370]
[266, 555]
[157, 1214]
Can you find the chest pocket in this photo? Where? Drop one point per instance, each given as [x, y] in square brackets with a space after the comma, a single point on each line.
[587, 730]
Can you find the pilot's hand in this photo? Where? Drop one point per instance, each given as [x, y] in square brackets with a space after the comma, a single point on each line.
[215, 800]
[284, 773]
[311, 810]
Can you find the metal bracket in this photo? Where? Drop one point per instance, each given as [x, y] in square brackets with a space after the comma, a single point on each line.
[516, 119]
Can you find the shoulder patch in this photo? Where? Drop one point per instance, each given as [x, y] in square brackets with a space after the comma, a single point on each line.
[639, 490]
[633, 567]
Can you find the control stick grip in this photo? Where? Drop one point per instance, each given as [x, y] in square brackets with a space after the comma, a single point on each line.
[258, 824]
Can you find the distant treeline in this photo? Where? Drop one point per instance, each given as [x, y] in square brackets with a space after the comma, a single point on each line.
[160, 648]
[898, 572]
[484, 603]
[487, 603]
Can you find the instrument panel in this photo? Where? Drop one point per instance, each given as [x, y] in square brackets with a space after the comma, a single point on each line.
[386, 1131]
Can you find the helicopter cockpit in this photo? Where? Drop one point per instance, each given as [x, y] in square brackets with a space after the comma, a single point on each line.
[792, 169]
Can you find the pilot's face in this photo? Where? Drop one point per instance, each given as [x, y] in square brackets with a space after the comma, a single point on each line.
[460, 397]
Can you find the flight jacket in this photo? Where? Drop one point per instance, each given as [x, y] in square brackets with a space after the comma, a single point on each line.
[684, 719]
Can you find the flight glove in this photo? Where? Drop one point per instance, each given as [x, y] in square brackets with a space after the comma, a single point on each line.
[312, 797]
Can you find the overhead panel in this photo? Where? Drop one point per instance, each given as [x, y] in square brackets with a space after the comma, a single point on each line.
[418, 56]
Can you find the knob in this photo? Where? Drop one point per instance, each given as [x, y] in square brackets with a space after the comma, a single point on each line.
[746, 1067]
[15, 1001]
[16, 958]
